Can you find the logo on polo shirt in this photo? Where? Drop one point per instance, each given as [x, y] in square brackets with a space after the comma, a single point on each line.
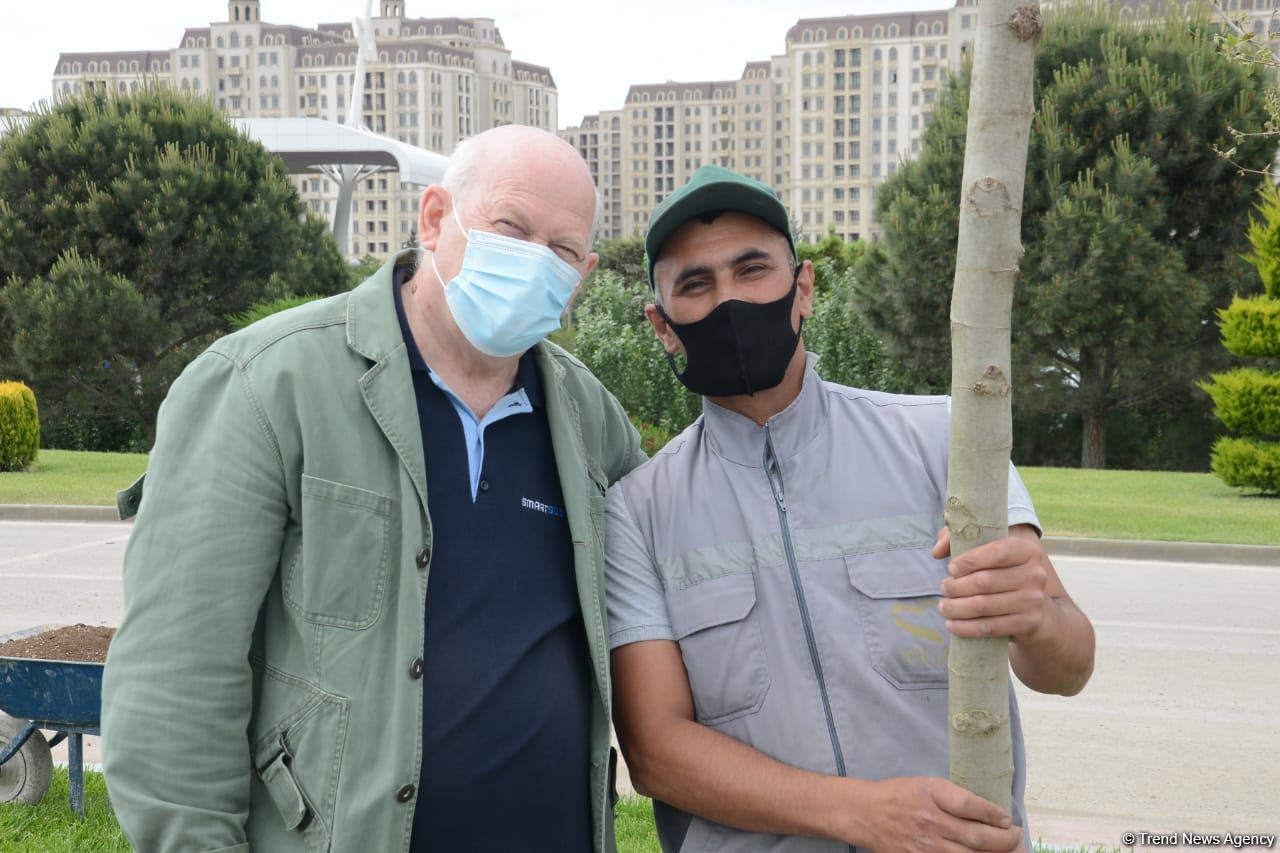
[539, 506]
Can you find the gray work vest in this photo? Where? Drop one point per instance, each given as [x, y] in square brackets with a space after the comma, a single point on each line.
[796, 567]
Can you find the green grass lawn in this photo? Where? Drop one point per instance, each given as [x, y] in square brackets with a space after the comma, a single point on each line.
[50, 827]
[634, 826]
[1161, 505]
[1071, 502]
[72, 477]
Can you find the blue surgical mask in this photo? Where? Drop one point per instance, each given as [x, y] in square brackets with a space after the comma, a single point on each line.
[509, 294]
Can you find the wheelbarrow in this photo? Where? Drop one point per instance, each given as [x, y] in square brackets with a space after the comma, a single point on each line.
[62, 697]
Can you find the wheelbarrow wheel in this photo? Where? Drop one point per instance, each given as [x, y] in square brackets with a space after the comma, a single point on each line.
[25, 777]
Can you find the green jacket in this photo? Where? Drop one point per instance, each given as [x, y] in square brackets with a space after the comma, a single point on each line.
[259, 690]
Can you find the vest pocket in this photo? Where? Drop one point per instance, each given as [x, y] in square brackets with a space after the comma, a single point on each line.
[722, 645]
[897, 601]
[339, 575]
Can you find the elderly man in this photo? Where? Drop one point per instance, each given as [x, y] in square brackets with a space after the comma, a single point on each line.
[779, 647]
[364, 593]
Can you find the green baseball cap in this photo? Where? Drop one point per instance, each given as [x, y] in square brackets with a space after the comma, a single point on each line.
[713, 188]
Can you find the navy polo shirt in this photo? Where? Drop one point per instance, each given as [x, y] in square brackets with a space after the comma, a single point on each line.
[506, 686]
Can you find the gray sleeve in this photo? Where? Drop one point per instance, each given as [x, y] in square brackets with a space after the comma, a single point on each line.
[1020, 509]
[637, 606]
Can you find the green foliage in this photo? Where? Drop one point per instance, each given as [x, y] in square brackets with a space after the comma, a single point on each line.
[1251, 327]
[624, 256]
[69, 428]
[1264, 237]
[614, 339]
[19, 427]
[1134, 227]
[1247, 400]
[849, 352]
[364, 269]
[152, 215]
[1102, 295]
[1248, 463]
[93, 342]
[831, 257]
[266, 309]
[652, 438]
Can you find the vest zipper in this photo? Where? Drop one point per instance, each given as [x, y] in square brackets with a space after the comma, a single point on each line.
[774, 473]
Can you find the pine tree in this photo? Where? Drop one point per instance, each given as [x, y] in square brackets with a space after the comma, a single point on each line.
[131, 229]
[1134, 226]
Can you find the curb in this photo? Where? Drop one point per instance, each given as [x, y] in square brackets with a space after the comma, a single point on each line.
[1174, 552]
[38, 512]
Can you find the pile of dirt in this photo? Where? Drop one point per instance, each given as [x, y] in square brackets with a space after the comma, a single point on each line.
[85, 643]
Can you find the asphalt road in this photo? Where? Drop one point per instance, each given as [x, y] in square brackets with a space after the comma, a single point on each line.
[1179, 729]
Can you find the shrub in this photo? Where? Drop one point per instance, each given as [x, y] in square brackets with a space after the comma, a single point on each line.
[614, 339]
[652, 438]
[1247, 399]
[1251, 327]
[19, 427]
[1248, 463]
[849, 352]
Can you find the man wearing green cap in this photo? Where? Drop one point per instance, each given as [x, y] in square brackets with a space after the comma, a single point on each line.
[779, 600]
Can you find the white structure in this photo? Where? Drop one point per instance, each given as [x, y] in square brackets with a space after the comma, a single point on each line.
[345, 155]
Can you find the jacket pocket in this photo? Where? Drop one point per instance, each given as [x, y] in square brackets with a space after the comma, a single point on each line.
[897, 602]
[297, 761]
[722, 645]
[339, 574]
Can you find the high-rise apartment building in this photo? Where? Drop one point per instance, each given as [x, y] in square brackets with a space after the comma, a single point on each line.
[823, 123]
[436, 82]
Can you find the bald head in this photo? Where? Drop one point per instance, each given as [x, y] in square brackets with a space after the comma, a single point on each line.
[523, 159]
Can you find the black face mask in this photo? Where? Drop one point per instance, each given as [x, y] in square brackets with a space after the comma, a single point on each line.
[739, 348]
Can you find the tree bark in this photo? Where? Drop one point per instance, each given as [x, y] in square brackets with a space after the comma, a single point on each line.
[1093, 393]
[1000, 111]
[1093, 443]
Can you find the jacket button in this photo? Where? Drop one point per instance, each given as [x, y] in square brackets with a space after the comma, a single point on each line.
[415, 668]
[484, 485]
[424, 556]
[405, 794]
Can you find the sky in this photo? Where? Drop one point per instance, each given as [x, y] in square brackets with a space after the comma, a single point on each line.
[595, 50]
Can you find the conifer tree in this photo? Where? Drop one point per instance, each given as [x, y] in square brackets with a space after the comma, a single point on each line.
[132, 227]
[1133, 224]
[1247, 399]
